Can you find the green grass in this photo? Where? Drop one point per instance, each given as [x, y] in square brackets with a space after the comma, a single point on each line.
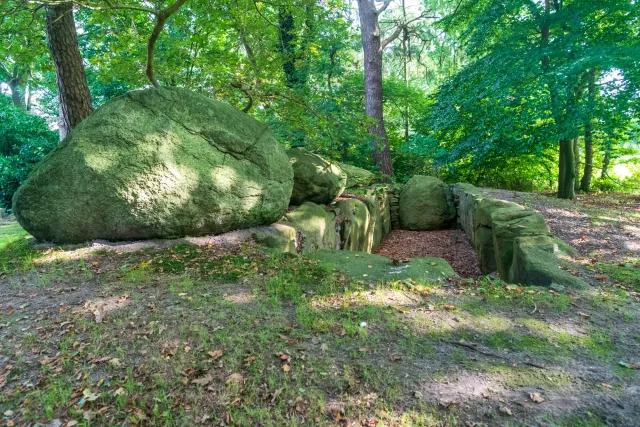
[627, 274]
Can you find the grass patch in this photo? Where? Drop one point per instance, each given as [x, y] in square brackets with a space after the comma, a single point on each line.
[627, 275]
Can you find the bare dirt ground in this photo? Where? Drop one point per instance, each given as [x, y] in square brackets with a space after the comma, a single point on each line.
[451, 245]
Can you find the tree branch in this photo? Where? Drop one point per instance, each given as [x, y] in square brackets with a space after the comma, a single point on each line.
[161, 18]
[247, 93]
[384, 7]
[384, 43]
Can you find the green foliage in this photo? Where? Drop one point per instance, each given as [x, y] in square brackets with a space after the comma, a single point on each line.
[523, 92]
[24, 140]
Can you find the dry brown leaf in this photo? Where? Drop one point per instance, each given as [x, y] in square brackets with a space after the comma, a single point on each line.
[286, 368]
[535, 397]
[202, 381]
[216, 354]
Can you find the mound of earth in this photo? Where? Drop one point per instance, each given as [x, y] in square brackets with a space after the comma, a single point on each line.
[157, 163]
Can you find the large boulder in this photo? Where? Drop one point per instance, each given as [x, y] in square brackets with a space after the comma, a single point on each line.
[316, 225]
[484, 207]
[360, 223]
[509, 223]
[357, 177]
[157, 163]
[537, 261]
[426, 203]
[315, 179]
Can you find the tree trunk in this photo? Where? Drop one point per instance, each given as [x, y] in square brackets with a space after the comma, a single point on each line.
[605, 163]
[576, 164]
[585, 183]
[73, 91]
[372, 49]
[566, 171]
[17, 94]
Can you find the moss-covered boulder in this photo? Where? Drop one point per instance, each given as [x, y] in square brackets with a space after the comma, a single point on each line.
[426, 203]
[484, 207]
[509, 223]
[357, 177]
[315, 179]
[277, 236]
[360, 223]
[375, 268]
[157, 163]
[537, 261]
[316, 226]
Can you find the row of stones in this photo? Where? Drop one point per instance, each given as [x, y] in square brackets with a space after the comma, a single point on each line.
[354, 224]
[512, 240]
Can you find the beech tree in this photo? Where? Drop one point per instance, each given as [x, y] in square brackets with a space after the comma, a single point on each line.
[372, 48]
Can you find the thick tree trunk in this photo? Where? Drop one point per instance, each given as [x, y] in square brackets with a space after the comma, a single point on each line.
[566, 171]
[73, 91]
[576, 164]
[372, 49]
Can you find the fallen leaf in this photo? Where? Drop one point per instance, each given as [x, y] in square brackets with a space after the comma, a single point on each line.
[216, 354]
[235, 378]
[286, 368]
[536, 398]
[449, 307]
[324, 347]
[284, 356]
[395, 358]
[202, 381]
[115, 362]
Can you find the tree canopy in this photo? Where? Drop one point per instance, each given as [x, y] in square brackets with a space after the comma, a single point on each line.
[498, 93]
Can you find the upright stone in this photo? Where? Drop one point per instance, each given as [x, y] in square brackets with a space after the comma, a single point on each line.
[316, 225]
[426, 203]
[157, 163]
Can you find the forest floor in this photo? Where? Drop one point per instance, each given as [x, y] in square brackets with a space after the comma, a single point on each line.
[204, 335]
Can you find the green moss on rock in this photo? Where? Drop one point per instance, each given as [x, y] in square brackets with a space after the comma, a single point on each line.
[536, 262]
[360, 223]
[426, 203]
[357, 177]
[157, 163]
[509, 223]
[376, 268]
[316, 225]
[315, 179]
[277, 236]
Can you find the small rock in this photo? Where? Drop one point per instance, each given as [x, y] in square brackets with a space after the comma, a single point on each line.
[504, 410]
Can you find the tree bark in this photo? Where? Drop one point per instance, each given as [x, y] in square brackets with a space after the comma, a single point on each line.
[576, 164]
[372, 49]
[566, 170]
[605, 163]
[585, 183]
[16, 81]
[73, 90]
